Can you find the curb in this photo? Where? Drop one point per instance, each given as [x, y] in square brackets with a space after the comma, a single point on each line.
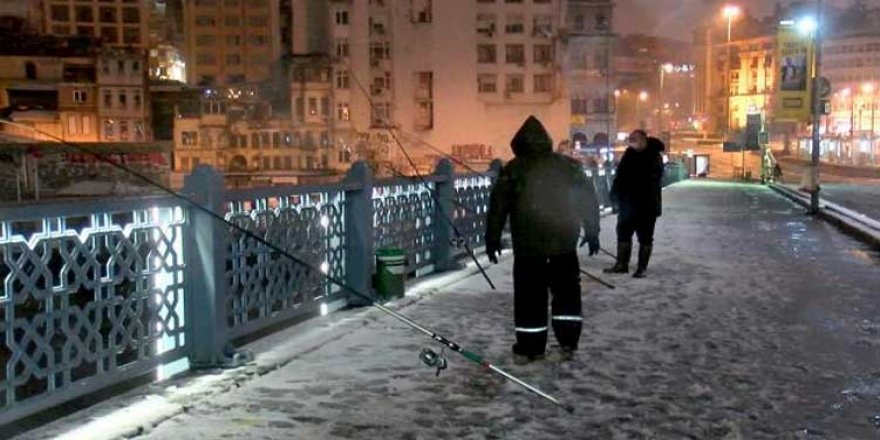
[827, 213]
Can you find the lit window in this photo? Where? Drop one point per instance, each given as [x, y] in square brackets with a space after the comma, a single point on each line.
[79, 96]
[109, 129]
[343, 112]
[189, 138]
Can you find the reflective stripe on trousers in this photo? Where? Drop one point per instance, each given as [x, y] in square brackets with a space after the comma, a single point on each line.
[531, 329]
[568, 318]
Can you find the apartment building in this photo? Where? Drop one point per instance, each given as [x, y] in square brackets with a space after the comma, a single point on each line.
[231, 41]
[590, 71]
[235, 130]
[123, 109]
[398, 67]
[119, 23]
[729, 90]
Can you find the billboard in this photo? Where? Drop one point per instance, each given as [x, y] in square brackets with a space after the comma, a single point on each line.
[795, 69]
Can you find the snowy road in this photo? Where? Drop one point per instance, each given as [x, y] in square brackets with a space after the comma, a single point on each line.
[756, 322]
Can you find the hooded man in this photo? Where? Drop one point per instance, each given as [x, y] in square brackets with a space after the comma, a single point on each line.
[637, 193]
[549, 200]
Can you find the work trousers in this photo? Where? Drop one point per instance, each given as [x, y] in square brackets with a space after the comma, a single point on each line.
[532, 278]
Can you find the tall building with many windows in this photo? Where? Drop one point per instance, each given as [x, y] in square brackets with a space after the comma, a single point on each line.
[119, 23]
[398, 67]
[589, 70]
[231, 41]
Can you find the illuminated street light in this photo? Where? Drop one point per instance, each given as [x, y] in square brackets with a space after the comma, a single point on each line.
[868, 88]
[846, 92]
[807, 25]
[731, 11]
[668, 68]
[643, 96]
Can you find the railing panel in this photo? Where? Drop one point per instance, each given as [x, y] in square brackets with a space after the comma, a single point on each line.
[403, 212]
[471, 206]
[87, 300]
[264, 286]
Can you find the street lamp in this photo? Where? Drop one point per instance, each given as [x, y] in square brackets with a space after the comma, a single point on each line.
[730, 12]
[810, 26]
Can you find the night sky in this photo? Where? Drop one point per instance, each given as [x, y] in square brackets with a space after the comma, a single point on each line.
[675, 18]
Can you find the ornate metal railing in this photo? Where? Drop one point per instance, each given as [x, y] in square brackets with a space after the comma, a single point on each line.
[92, 293]
[95, 293]
[403, 212]
[263, 286]
[469, 213]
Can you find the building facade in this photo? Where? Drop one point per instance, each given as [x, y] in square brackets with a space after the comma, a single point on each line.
[123, 107]
[55, 95]
[589, 70]
[399, 73]
[231, 41]
[728, 90]
[119, 23]
[235, 130]
[852, 65]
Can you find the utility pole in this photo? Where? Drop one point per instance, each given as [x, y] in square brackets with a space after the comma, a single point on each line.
[817, 110]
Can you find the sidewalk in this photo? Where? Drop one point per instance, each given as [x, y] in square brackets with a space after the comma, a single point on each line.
[756, 322]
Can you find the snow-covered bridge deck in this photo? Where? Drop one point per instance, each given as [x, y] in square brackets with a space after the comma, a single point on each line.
[755, 322]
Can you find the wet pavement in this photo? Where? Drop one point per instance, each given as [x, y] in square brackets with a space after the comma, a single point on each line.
[755, 322]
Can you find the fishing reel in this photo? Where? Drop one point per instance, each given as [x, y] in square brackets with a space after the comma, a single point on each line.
[434, 360]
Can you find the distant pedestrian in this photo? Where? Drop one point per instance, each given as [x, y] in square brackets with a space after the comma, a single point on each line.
[636, 193]
[548, 200]
[777, 172]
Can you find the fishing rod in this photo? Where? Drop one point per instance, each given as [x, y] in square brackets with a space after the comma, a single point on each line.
[447, 343]
[606, 252]
[425, 183]
[598, 280]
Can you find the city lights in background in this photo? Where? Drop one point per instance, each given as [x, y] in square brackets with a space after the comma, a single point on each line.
[643, 96]
[807, 25]
[731, 11]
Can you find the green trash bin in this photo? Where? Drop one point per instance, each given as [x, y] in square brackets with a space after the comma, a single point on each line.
[390, 280]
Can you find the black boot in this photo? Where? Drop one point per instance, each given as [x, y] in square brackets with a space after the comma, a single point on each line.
[644, 258]
[624, 251]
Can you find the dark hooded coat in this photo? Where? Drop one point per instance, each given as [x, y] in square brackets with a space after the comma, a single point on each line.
[637, 186]
[546, 195]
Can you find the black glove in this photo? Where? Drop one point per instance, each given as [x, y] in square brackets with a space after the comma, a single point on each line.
[593, 242]
[493, 251]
